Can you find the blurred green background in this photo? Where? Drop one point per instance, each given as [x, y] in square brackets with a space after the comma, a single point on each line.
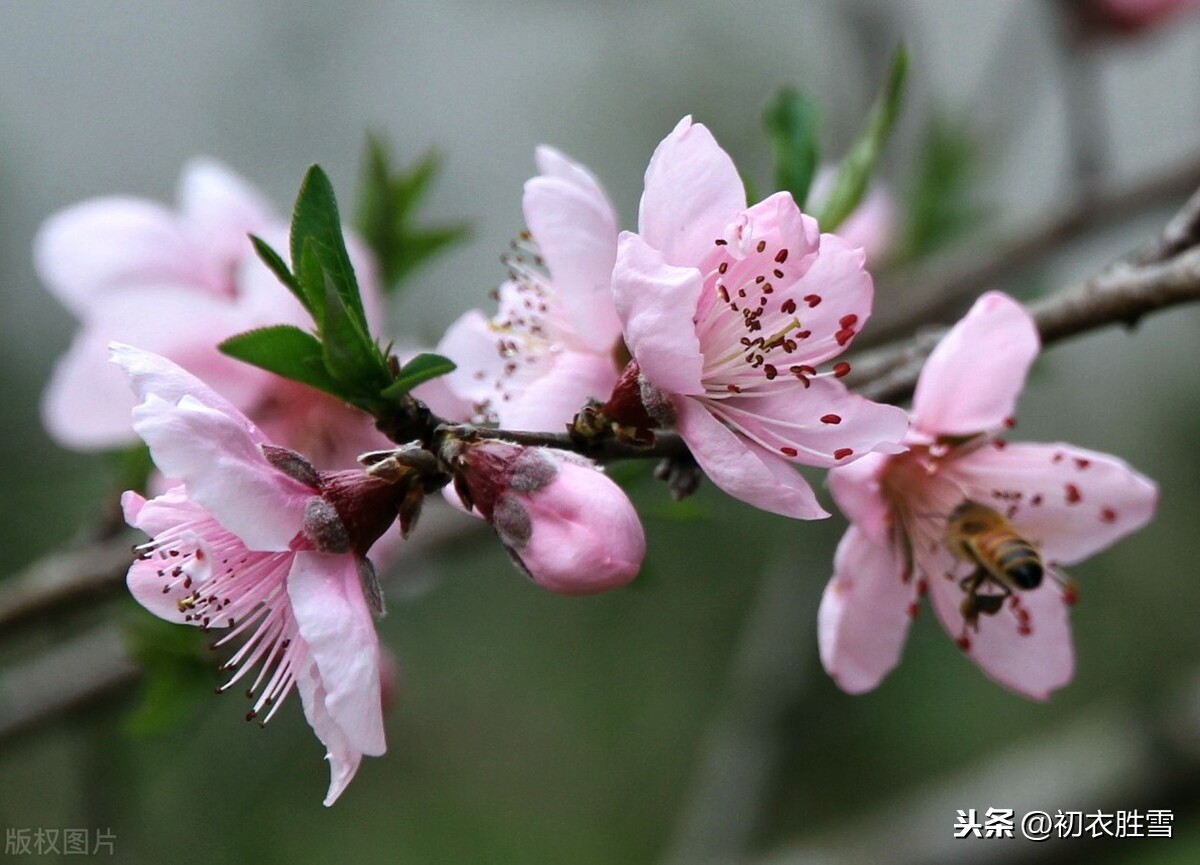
[686, 717]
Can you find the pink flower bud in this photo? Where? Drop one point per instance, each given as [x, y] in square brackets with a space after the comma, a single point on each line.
[563, 521]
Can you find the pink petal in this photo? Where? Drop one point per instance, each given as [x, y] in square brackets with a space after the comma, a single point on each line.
[149, 373]
[586, 536]
[215, 452]
[145, 581]
[742, 469]
[334, 621]
[656, 303]
[93, 247]
[224, 470]
[823, 424]
[693, 191]
[471, 343]
[551, 401]
[843, 294]
[971, 381]
[1072, 502]
[865, 613]
[855, 488]
[575, 227]
[1034, 664]
[219, 209]
[87, 403]
[343, 757]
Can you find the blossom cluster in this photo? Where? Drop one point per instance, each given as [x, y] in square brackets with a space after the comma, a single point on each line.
[718, 324]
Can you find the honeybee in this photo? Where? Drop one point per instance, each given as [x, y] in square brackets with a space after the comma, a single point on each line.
[1003, 560]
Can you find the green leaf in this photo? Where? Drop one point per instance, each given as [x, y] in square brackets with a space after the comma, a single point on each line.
[856, 168]
[939, 205]
[351, 358]
[287, 351]
[420, 369]
[278, 266]
[387, 216]
[316, 221]
[793, 122]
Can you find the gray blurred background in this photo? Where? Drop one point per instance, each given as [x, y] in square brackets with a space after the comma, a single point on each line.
[685, 717]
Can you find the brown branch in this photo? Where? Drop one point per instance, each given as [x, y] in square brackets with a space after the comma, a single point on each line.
[1164, 274]
[69, 675]
[65, 677]
[934, 290]
[719, 819]
[66, 578]
[1121, 294]
[1111, 757]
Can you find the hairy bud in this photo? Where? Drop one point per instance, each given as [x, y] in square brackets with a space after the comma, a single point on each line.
[561, 519]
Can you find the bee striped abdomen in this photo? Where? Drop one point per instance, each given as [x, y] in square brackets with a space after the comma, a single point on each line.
[1014, 558]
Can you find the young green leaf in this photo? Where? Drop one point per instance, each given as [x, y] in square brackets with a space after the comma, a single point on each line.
[387, 215]
[351, 357]
[939, 204]
[793, 122]
[287, 351]
[278, 266]
[316, 221]
[420, 369]
[857, 166]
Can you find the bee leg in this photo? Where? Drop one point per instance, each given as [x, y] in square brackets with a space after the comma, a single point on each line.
[977, 604]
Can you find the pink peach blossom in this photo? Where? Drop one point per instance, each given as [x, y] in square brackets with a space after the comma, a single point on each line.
[177, 282]
[551, 345]
[1132, 16]
[256, 540]
[563, 521]
[728, 311]
[1069, 503]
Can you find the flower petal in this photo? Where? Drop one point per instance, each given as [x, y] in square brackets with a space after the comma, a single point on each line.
[1068, 501]
[971, 381]
[575, 227]
[150, 373]
[146, 578]
[865, 613]
[343, 757]
[87, 402]
[553, 399]
[1035, 658]
[471, 343]
[823, 424]
[211, 447]
[693, 191]
[856, 489]
[743, 469]
[871, 226]
[114, 242]
[585, 535]
[220, 209]
[335, 622]
[834, 297]
[656, 303]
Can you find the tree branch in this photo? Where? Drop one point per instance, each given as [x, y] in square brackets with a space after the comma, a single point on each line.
[1122, 293]
[934, 290]
[1119, 757]
[69, 675]
[66, 578]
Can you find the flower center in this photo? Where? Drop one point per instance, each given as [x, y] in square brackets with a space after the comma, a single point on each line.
[749, 317]
[219, 583]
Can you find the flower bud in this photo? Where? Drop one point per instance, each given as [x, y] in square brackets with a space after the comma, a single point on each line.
[563, 521]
